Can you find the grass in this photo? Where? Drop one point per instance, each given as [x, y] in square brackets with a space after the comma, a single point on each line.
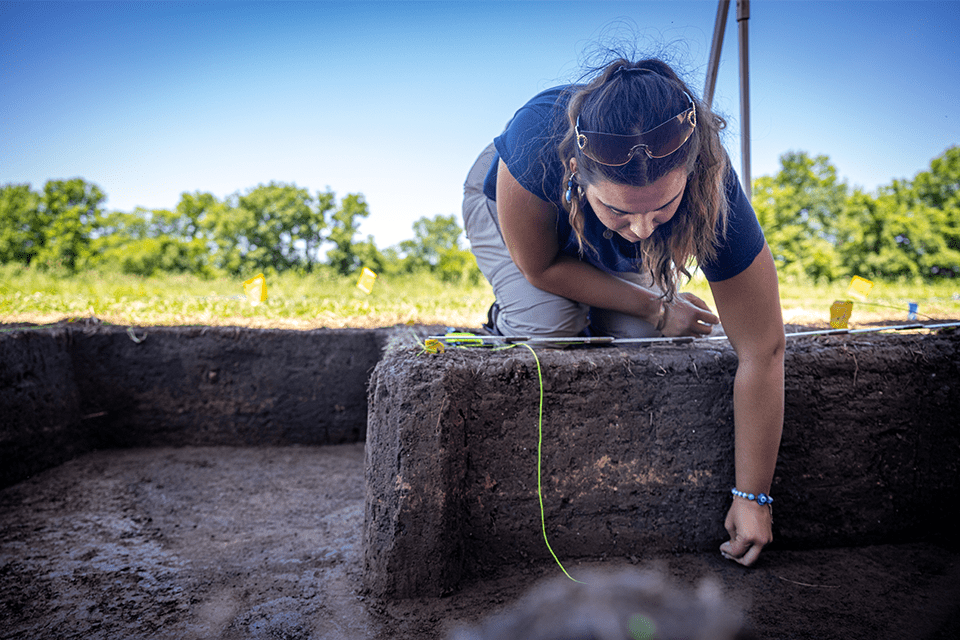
[293, 301]
[808, 303]
[324, 300]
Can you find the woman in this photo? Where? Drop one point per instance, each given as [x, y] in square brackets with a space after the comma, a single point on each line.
[587, 209]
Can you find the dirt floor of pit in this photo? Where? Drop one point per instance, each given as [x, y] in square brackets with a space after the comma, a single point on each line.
[265, 543]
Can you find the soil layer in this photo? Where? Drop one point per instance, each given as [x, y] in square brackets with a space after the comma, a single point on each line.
[636, 452]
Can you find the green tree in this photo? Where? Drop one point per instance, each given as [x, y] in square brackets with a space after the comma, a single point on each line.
[799, 210]
[911, 229]
[936, 200]
[875, 232]
[21, 231]
[115, 231]
[345, 256]
[435, 247]
[282, 216]
[273, 227]
[148, 242]
[69, 210]
[940, 186]
[368, 255]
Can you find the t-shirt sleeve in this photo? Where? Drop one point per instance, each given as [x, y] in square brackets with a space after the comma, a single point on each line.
[528, 147]
[744, 238]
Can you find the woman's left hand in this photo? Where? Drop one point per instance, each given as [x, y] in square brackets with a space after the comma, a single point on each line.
[687, 315]
[750, 526]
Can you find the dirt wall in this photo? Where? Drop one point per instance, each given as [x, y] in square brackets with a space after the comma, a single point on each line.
[638, 452]
[73, 388]
[41, 422]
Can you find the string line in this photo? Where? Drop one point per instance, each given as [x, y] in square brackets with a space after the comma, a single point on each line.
[543, 517]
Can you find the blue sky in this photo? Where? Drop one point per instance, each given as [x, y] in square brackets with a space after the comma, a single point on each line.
[396, 99]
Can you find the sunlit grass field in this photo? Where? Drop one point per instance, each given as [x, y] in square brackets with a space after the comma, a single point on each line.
[325, 300]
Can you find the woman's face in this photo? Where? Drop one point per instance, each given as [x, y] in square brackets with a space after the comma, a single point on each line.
[635, 212]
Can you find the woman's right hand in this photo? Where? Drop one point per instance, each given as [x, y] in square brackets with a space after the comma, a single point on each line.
[687, 315]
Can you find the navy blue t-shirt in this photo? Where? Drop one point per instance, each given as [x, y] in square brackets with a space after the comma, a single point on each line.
[528, 148]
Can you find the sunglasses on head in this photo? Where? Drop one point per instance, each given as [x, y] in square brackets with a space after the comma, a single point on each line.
[615, 150]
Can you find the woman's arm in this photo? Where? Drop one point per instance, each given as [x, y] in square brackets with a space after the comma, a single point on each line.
[529, 227]
[749, 307]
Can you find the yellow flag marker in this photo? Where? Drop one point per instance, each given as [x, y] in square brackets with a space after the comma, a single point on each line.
[859, 287]
[840, 312]
[433, 346]
[365, 283]
[256, 289]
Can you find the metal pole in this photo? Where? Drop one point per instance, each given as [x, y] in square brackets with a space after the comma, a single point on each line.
[718, 28]
[743, 17]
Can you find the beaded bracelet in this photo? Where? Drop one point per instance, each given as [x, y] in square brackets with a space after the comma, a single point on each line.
[760, 499]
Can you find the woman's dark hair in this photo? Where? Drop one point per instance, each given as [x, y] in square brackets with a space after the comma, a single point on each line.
[624, 100]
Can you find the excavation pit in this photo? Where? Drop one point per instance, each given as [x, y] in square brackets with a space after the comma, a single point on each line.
[142, 503]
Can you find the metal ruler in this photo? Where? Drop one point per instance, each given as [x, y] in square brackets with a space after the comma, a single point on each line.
[467, 339]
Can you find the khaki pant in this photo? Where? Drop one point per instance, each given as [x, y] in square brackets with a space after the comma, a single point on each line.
[525, 310]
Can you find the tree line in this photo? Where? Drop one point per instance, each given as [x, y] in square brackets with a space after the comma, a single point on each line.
[271, 228]
[819, 228]
[816, 225]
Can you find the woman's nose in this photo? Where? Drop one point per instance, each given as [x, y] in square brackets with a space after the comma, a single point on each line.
[642, 226]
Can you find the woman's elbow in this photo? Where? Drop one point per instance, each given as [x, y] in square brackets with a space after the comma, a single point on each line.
[763, 350]
[771, 350]
[535, 275]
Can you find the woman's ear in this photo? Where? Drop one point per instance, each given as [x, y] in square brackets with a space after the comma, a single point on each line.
[573, 165]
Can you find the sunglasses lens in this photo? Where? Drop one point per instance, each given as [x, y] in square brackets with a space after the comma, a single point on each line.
[606, 149]
[668, 137]
[659, 142]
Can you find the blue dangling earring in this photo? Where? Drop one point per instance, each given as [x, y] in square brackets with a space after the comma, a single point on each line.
[568, 196]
